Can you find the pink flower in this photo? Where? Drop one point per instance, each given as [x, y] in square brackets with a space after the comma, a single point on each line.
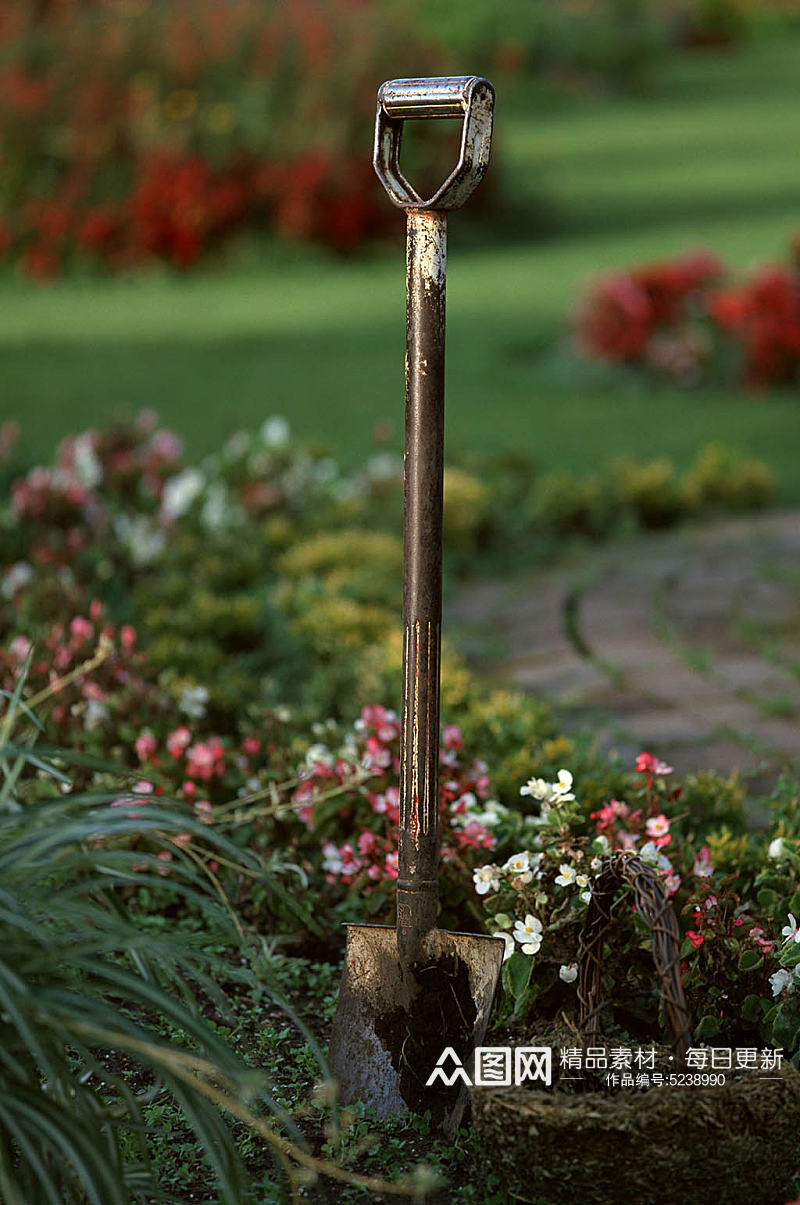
[127, 636]
[756, 935]
[376, 755]
[95, 609]
[145, 746]
[143, 787]
[366, 842]
[177, 741]
[81, 629]
[696, 939]
[702, 867]
[615, 810]
[672, 882]
[657, 826]
[189, 789]
[20, 647]
[201, 761]
[647, 764]
[452, 737]
[203, 809]
[182, 839]
[390, 866]
[164, 857]
[251, 746]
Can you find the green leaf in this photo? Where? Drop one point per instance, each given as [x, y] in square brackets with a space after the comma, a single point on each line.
[517, 973]
[751, 1008]
[783, 1027]
[790, 956]
[750, 959]
[768, 899]
[706, 1028]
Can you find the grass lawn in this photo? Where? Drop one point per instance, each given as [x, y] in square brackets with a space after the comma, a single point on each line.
[708, 157]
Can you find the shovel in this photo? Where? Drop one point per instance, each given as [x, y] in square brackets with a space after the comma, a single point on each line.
[414, 1000]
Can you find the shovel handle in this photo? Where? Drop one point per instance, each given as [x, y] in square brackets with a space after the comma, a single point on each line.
[417, 884]
[471, 98]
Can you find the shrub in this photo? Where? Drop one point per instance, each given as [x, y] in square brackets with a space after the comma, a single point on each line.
[676, 320]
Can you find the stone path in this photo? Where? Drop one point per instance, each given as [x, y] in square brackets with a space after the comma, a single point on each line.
[685, 643]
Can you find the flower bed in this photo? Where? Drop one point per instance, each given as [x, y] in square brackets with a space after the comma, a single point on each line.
[684, 319]
[134, 133]
[161, 622]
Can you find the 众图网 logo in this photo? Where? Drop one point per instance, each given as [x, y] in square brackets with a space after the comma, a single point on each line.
[494, 1066]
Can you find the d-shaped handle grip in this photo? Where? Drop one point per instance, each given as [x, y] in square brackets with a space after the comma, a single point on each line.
[469, 96]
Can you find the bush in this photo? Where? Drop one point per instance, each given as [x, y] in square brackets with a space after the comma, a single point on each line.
[676, 319]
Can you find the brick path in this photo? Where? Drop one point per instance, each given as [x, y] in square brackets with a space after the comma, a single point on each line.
[686, 643]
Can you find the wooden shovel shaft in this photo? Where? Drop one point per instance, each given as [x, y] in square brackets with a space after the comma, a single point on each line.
[417, 885]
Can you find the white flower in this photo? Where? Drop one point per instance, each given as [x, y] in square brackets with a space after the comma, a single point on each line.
[508, 941]
[15, 578]
[319, 753]
[95, 715]
[550, 792]
[780, 980]
[180, 492]
[529, 934]
[581, 880]
[88, 468]
[486, 878]
[193, 701]
[791, 932]
[491, 814]
[596, 864]
[568, 972]
[567, 875]
[518, 863]
[275, 431]
[586, 896]
[776, 848]
[332, 861]
[218, 512]
[564, 782]
[652, 856]
[144, 542]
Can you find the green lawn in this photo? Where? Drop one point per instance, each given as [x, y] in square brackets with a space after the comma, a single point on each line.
[711, 156]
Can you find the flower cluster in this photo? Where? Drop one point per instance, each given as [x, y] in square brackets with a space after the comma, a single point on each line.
[363, 778]
[762, 317]
[680, 319]
[644, 829]
[87, 675]
[642, 315]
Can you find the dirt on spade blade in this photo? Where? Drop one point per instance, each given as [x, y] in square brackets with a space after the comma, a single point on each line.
[441, 1014]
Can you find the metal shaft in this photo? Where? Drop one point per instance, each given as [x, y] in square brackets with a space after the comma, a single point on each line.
[417, 885]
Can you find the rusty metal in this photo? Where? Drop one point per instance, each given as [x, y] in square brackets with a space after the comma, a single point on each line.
[410, 991]
[471, 96]
[655, 909]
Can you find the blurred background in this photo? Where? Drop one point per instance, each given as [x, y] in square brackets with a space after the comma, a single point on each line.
[189, 219]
